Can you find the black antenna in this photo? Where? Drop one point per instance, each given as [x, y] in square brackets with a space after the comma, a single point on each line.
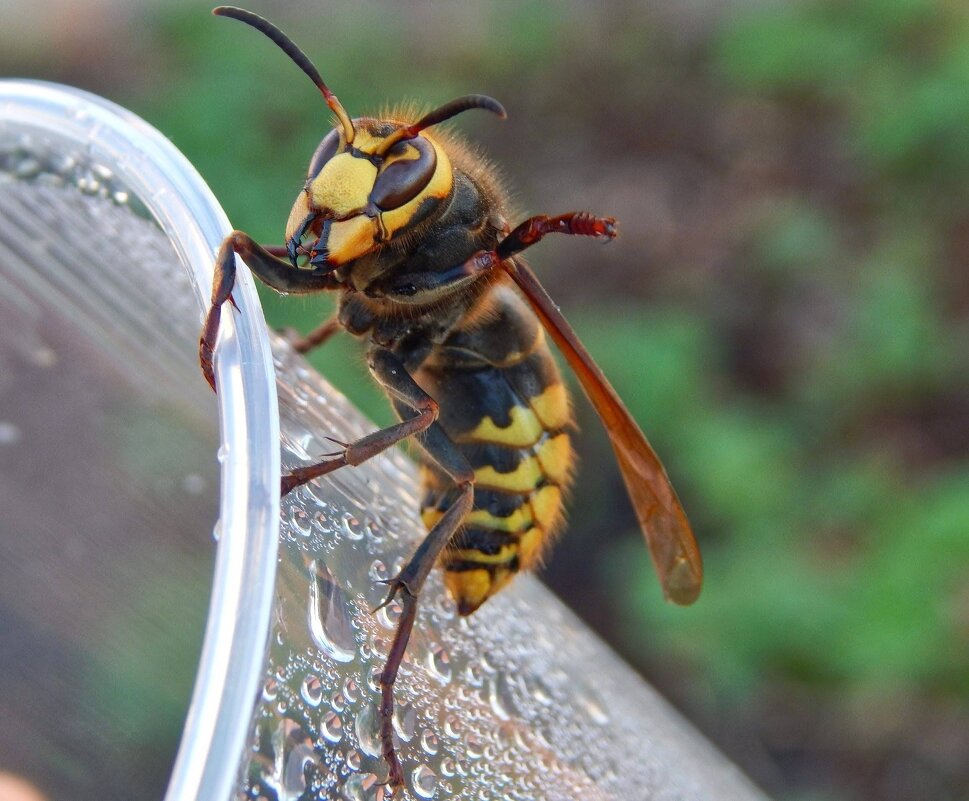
[440, 114]
[298, 56]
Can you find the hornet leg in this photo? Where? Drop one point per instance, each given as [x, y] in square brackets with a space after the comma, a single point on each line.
[316, 337]
[390, 372]
[530, 232]
[408, 398]
[407, 586]
[273, 271]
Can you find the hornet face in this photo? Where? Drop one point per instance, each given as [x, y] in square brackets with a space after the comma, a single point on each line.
[361, 193]
[368, 180]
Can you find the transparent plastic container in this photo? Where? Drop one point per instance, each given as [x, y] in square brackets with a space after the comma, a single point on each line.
[108, 480]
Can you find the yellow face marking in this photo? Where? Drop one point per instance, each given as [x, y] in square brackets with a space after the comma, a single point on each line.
[344, 184]
[523, 478]
[364, 141]
[300, 211]
[438, 187]
[516, 521]
[546, 506]
[555, 457]
[530, 548]
[523, 431]
[350, 239]
[552, 406]
[410, 153]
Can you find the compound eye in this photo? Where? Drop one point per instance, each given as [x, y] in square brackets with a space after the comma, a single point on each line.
[401, 180]
[324, 152]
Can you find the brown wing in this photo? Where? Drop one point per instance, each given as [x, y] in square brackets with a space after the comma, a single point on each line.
[668, 534]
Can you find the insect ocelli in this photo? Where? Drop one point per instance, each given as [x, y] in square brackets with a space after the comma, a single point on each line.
[408, 226]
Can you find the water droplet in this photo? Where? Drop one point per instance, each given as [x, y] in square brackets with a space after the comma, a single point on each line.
[378, 571]
[424, 781]
[352, 527]
[217, 530]
[430, 742]
[593, 709]
[354, 759]
[473, 675]
[329, 616]
[270, 690]
[452, 728]
[363, 787]
[483, 660]
[45, 357]
[388, 615]
[193, 484]
[500, 697]
[338, 702]
[449, 767]
[440, 663]
[10, 433]
[300, 399]
[540, 691]
[351, 689]
[373, 678]
[312, 691]
[367, 725]
[443, 606]
[294, 777]
[474, 746]
[331, 727]
[299, 520]
[405, 721]
[223, 452]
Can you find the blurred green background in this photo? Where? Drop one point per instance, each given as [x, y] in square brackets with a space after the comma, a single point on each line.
[785, 313]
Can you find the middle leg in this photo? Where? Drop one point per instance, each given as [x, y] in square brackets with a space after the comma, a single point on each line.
[316, 337]
[418, 411]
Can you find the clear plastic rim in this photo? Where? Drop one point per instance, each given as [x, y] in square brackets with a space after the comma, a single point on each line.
[231, 664]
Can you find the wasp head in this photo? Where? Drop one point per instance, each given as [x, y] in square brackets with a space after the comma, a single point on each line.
[369, 180]
[360, 194]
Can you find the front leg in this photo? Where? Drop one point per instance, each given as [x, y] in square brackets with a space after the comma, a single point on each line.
[272, 271]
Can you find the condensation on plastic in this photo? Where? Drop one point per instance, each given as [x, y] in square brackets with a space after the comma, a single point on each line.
[520, 701]
[99, 148]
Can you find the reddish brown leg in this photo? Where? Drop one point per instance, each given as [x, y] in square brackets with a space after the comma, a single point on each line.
[317, 336]
[406, 586]
[390, 372]
[575, 223]
[533, 230]
[276, 273]
[408, 398]
[223, 281]
[364, 448]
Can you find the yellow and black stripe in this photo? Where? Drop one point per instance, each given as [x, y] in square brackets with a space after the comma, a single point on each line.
[504, 405]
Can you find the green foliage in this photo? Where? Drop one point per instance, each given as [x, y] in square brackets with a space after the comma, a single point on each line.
[896, 70]
[834, 558]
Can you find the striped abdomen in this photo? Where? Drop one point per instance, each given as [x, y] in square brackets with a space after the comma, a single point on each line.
[505, 406]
